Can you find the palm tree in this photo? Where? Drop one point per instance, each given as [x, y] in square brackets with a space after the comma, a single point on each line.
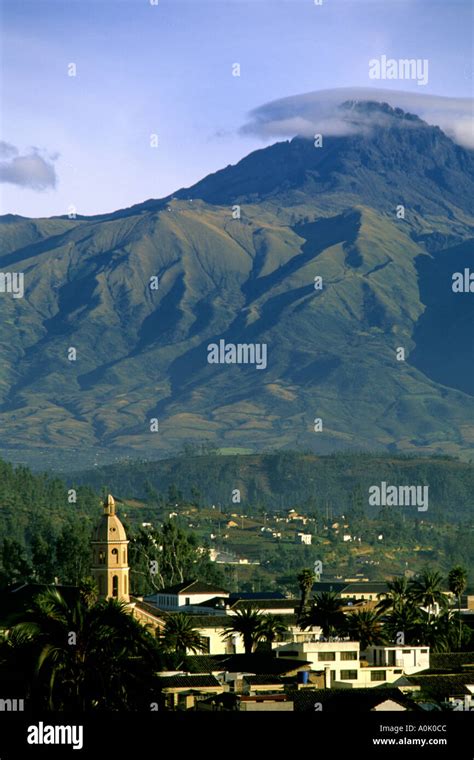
[366, 627]
[89, 591]
[440, 633]
[403, 614]
[326, 612]
[271, 626]
[180, 636]
[457, 582]
[398, 594]
[306, 579]
[17, 663]
[426, 590]
[246, 622]
[83, 655]
[402, 618]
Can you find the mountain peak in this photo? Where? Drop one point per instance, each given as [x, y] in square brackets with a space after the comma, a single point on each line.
[373, 149]
[373, 108]
[329, 211]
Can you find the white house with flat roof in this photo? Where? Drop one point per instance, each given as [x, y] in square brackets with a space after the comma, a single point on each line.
[411, 659]
[185, 594]
[339, 655]
[343, 667]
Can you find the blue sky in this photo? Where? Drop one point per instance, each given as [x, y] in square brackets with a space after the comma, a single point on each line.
[167, 69]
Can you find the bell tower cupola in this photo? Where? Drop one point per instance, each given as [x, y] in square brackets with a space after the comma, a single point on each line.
[110, 555]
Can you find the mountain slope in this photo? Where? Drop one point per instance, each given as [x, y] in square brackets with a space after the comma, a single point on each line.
[305, 212]
[373, 165]
[287, 479]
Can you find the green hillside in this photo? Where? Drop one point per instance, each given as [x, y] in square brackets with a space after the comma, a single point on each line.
[140, 354]
[283, 480]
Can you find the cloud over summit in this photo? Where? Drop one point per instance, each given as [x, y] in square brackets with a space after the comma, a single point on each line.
[320, 112]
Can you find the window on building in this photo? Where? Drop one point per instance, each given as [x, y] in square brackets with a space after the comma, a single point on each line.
[124, 556]
[206, 644]
[424, 651]
[406, 651]
[187, 600]
[329, 656]
[348, 655]
[115, 585]
[101, 557]
[378, 675]
[115, 557]
[348, 675]
[398, 671]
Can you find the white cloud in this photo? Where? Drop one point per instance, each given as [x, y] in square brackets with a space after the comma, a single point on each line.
[7, 150]
[320, 111]
[31, 170]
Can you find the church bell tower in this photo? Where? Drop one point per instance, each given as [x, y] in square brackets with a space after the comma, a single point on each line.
[110, 555]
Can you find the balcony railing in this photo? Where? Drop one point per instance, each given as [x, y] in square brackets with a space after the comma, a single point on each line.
[304, 638]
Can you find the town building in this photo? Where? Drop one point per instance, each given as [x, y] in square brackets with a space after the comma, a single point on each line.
[110, 568]
[411, 659]
[343, 665]
[189, 593]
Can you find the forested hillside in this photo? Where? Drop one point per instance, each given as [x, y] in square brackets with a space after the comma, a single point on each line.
[46, 522]
[286, 479]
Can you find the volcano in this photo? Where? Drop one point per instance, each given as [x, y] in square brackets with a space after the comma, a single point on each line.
[338, 259]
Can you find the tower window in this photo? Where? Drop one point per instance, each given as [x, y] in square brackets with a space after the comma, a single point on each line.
[115, 555]
[115, 586]
[101, 557]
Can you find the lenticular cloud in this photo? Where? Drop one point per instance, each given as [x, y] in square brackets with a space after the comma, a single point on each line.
[320, 111]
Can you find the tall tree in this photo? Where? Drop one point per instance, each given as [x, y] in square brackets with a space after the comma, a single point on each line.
[84, 655]
[15, 566]
[427, 590]
[180, 636]
[271, 626]
[397, 596]
[246, 622]
[366, 627]
[163, 557]
[327, 613]
[440, 632]
[402, 619]
[73, 552]
[457, 582]
[306, 579]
